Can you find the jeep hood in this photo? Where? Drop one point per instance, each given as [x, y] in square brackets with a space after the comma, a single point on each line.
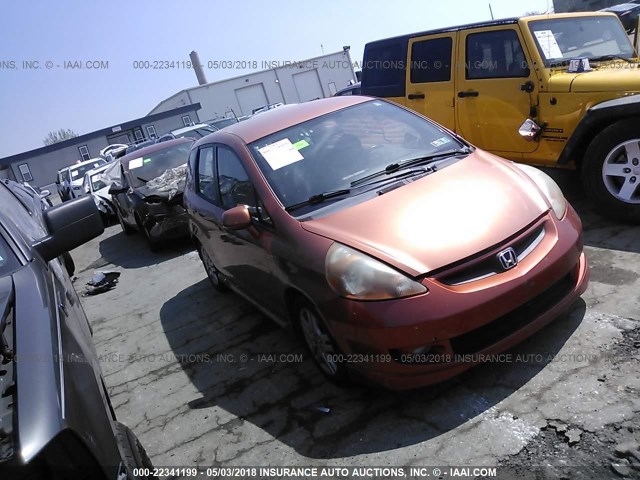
[615, 77]
[441, 218]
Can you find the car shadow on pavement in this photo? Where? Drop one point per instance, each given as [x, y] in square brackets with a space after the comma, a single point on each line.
[245, 364]
[599, 231]
[132, 251]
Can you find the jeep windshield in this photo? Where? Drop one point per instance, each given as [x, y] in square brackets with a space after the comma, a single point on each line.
[596, 37]
[327, 157]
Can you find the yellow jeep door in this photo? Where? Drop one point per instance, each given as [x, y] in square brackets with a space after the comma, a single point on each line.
[495, 89]
[430, 85]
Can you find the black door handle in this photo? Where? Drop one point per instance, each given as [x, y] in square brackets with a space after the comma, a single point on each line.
[415, 96]
[468, 93]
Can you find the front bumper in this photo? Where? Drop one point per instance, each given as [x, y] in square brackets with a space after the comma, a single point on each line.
[463, 323]
[173, 224]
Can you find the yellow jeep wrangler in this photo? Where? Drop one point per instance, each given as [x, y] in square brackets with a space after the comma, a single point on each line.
[548, 90]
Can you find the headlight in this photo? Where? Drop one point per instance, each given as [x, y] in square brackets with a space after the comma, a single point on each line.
[550, 189]
[354, 275]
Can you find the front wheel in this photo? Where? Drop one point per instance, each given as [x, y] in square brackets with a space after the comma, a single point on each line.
[611, 171]
[322, 347]
[125, 228]
[212, 272]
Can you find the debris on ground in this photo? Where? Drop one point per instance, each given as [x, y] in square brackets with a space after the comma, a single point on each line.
[573, 436]
[102, 282]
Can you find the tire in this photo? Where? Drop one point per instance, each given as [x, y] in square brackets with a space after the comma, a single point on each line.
[134, 454]
[153, 244]
[69, 264]
[213, 274]
[318, 340]
[611, 171]
[125, 228]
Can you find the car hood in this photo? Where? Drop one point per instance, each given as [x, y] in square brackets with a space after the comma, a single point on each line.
[439, 219]
[615, 77]
[168, 186]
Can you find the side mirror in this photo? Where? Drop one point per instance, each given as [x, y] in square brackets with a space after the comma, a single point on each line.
[70, 225]
[45, 193]
[116, 189]
[237, 218]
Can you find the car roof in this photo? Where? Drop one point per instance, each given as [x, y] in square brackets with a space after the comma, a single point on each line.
[124, 160]
[283, 117]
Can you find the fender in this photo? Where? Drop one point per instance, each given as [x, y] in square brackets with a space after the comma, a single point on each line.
[594, 120]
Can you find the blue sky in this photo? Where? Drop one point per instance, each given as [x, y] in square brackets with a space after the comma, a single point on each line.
[35, 102]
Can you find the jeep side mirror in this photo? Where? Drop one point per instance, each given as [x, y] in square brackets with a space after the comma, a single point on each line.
[237, 218]
[70, 224]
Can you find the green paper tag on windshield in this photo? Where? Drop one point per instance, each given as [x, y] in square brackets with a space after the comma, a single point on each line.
[300, 144]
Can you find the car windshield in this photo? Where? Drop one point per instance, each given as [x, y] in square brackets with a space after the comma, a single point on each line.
[148, 167]
[197, 132]
[77, 173]
[97, 182]
[562, 39]
[330, 152]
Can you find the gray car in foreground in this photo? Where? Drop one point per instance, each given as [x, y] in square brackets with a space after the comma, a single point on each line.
[56, 420]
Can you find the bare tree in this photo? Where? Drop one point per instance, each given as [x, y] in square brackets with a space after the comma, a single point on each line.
[59, 136]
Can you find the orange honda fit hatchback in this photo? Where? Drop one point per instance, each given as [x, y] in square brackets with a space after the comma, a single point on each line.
[395, 248]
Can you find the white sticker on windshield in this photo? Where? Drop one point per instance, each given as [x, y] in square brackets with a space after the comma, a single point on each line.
[135, 163]
[440, 141]
[548, 44]
[74, 173]
[280, 154]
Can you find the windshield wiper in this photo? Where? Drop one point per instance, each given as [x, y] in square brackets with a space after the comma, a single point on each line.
[319, 198]
[610, 57]
[394, 167]
[142, 180]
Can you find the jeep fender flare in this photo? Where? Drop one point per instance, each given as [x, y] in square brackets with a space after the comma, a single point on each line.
[594, 120]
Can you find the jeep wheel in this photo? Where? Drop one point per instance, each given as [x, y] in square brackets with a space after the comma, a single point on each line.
[125, 228]
[611, 171]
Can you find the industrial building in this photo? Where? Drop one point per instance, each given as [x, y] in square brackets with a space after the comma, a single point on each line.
[280, 82]
[40, 166]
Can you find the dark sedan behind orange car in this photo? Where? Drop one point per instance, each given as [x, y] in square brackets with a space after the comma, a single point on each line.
[398, 250]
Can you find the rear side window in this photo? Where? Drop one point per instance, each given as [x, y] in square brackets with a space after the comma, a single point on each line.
[431, 60]
[496, 54]
[383, 68]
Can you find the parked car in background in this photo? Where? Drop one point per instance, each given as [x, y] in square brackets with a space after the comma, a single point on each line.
[350, 90]
[63, 184]
[265, 108]
[139, 146]
[147, 194]
[220, 123]
[627, 13]
[196, 131]
[522, 92]
[95, 185]
[43, 194]
[113, 151]
[55, 415]
[76, 175]
[382, 236]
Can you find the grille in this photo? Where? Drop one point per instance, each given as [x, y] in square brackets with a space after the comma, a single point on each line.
[488, 265]
[491, 333]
